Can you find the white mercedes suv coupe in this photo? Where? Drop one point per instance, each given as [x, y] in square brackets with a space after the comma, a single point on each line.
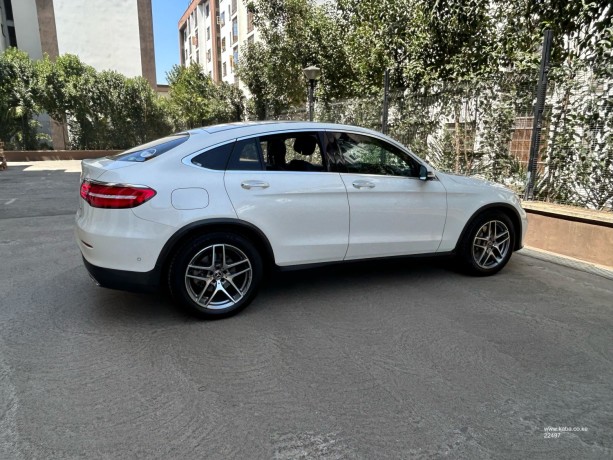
[207, 211]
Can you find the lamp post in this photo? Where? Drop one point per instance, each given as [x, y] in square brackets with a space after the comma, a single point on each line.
[312, 73]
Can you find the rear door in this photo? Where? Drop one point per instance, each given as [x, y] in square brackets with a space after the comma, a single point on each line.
[283, 185]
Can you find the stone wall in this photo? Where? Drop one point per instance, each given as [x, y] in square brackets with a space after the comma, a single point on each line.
[574, 232]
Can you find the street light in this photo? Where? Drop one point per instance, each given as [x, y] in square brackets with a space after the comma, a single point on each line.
[312, 73]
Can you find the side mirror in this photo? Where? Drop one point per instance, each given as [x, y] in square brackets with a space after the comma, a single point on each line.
[423, 173]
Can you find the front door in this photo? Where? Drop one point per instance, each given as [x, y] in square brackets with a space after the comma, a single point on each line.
[392, 211]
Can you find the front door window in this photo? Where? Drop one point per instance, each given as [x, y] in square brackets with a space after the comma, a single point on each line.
[368, 155]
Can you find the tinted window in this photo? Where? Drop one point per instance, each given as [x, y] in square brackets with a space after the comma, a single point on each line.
[215, 158]
[246, 156]
[152, 149]
[368, 155]
[292, 152]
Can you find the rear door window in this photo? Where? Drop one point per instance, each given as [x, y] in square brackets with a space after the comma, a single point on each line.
[246, 156]
[294, 151]
[152, 149]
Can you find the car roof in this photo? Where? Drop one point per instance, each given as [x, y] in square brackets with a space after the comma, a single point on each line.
[253, 127]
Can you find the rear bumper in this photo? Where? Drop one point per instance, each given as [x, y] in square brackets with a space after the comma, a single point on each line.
[124, 280]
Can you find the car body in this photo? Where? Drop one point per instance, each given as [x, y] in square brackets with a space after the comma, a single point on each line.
[346, 193]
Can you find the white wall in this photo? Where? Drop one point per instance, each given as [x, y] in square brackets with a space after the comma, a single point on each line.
[4, 37]
[104, 33]
[26, 27]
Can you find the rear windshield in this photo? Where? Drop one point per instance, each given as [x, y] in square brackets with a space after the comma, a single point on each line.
[151, 149]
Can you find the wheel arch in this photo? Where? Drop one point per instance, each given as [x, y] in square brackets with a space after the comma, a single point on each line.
[242, 228]
[506, 209]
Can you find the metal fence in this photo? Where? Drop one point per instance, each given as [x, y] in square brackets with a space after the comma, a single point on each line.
[485, 130]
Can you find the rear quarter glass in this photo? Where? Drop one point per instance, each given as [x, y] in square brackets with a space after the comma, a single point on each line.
[151, 150]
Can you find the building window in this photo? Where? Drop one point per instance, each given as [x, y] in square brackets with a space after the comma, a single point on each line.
[235, 55]
[223, 70]
[208, 33]
[208, 55]
[8, 8]
[234, 30]
[223, 44]
[249, 21]
[12, 36]
[222, 18]
[206, 10]
[234, 6]
[195, 18]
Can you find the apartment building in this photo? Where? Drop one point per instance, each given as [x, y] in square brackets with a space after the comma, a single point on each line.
[7, 25]
[108, 35]
[212, 33]
[112, 34]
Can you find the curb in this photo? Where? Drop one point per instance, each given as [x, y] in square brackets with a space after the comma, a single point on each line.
[570, 262]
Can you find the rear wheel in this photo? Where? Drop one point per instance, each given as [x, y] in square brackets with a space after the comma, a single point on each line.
[215, 276]
[488, 244]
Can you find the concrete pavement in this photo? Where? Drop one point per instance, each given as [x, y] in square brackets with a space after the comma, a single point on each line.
[402, 359]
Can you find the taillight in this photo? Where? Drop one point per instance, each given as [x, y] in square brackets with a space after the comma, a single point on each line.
[115, 196]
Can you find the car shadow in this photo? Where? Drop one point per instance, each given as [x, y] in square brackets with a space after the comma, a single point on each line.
[280, 288]
[350, 284]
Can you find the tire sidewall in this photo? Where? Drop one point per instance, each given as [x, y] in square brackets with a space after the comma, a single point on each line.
[176, 273]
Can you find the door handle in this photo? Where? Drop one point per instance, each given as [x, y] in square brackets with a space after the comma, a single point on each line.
[249, 184]
[363, 184]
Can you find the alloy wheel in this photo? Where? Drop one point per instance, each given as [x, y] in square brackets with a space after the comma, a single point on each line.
[218, 276]
[491, 244]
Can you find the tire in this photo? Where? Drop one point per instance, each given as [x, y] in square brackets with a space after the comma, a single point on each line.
[216, 275]
[487, 244]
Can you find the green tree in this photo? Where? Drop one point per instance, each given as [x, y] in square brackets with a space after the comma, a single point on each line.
[70, 86]
[20, 93]
[296, 34]
[129, 111]
[196, 100]
[421, 42]
[103, 110]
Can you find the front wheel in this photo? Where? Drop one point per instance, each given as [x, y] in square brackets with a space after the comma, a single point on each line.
[215, 276]
[488, 244]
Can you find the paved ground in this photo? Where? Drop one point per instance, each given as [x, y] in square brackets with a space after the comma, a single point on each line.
[387, 360]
